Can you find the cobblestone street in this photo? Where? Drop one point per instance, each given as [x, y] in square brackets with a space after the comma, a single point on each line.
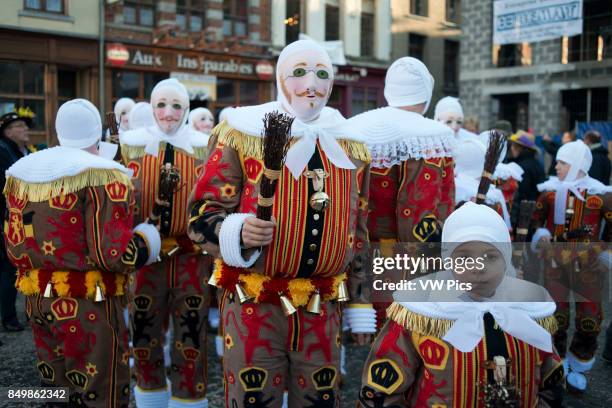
[18, 362]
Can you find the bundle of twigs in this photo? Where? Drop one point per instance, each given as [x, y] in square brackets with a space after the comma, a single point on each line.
[113, 127]
[276, 142]
[496, 146]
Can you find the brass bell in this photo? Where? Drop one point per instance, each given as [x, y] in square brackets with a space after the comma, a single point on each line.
[173, 250]
[213, 279]
[48, 290]
[314, 305]
[319, 201]
[343, 295]
[242, 295]
[99, 294]
[287, 306]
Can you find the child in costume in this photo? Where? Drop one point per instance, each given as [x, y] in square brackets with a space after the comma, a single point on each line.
[488, 345]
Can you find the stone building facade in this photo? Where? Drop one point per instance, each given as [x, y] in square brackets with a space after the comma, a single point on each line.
[545, 86]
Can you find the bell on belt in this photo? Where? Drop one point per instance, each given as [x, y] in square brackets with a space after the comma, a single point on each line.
[99, 295]
[319, 201]
[242, 295]
[213, 279]
[48, 290]
[343, 295]
[287, 306]
[314, 305]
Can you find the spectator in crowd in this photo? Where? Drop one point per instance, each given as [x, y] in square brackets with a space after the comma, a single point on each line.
[471, 124]
[503, 126]
[551, 147]
[14, 144]
[523, 151]
[600, 169]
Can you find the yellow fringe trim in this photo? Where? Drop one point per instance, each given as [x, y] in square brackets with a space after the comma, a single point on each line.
[251, 146]
[129, 152]
[428, 326]
[200, 153]
[28, 284]
[300, 289]
[39, 192]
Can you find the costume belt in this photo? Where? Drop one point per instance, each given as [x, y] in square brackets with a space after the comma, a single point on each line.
[78, 284]
[265, 289]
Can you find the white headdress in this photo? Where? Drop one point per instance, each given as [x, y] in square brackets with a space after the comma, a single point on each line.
[408, 82]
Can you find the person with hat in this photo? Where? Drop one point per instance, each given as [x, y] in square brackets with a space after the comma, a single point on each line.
[523, 151]
[14, 144]
[571, 212]
[411, 182]
[70, 235]
[450, 112]
[201, 120]
[469, 157]
[283, 280]
[484, 338]
[141, 116]
[166, 160]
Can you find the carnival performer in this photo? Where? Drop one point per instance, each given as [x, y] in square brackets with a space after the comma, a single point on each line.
[70, 236]
[570, 209]
[469, 159]
[411, 182]
[450, 112]
[166, 163]
[201, 120]
[141, 116]
[122, 109]
[283, 279]
[486, 343]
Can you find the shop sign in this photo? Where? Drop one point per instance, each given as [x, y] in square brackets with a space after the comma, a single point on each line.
[117, 54]
[264, 70]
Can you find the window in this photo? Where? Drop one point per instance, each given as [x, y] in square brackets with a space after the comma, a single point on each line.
[139, 13]
[190, 14]
[513, 108]
[451, 67]
[66, 84]
[367, 34]
[364, 99]
[595, 42]
[512, 55]
[232, 92]
[453, 11]
[133, 84]
[46, 6]
[23, 85]
[418, 7]
[416, 46]
[235, 18]
[576, 102]
[332, 23]
[292, 21]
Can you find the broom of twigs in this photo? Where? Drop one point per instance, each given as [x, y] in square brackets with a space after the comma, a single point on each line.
[496, 145]
[113, 127]
[526, 209]
[276, 142]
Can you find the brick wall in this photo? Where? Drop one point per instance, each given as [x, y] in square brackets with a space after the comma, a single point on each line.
[166, 33]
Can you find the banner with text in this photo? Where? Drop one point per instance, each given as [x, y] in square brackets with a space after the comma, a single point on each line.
[518, 21]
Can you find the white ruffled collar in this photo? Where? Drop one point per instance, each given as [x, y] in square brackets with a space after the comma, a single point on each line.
[466, 188]
[151, 137]
[504, 171]
[394, 135]
[328, 128]
[587, 183]
[57, 162]
[514, 317]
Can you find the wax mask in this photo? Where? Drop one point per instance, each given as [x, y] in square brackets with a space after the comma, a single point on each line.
[204, 123]
[452, 120]
[306, 80]
[170, 110]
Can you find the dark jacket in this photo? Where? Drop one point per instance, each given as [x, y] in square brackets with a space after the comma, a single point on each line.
[532, 176]
[9, 154]
[600, 169]
[551, 148]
